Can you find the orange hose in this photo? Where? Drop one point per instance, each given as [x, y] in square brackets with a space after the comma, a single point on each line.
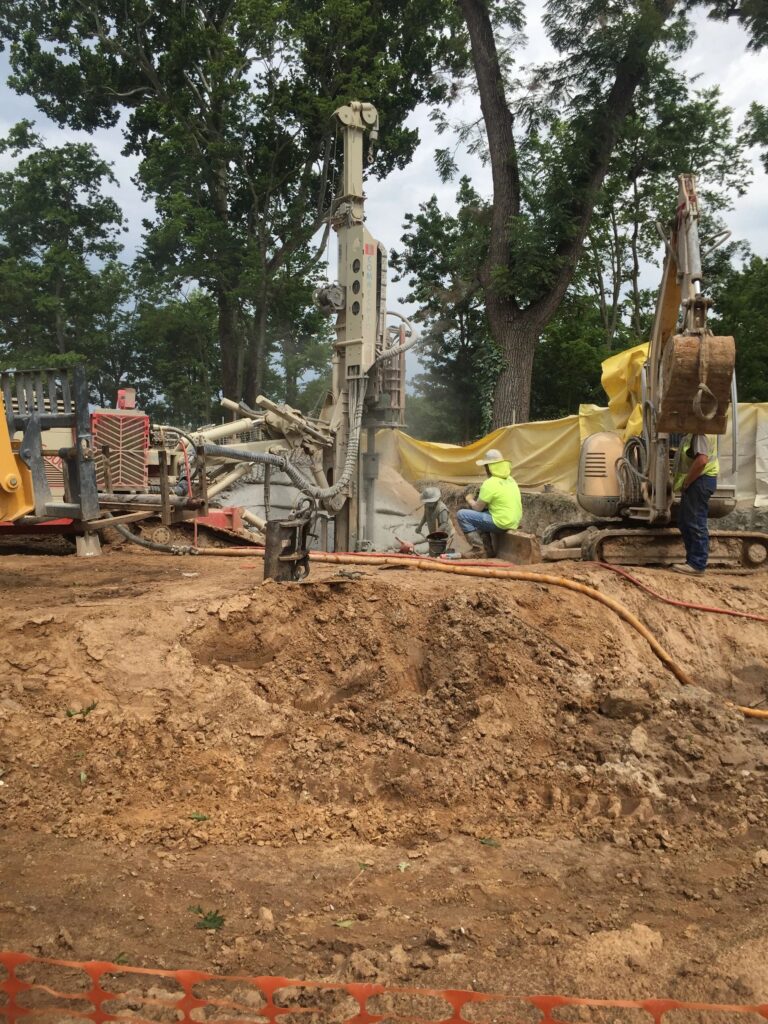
[435, 565]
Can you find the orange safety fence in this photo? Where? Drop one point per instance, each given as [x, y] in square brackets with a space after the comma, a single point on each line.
[31, 991]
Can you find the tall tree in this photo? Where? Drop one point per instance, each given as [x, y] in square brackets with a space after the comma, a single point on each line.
[177, 370]
[229, 107]
[542, 211]
[441, 260]
[59, 242]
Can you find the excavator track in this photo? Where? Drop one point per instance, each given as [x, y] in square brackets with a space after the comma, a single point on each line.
[664, 546]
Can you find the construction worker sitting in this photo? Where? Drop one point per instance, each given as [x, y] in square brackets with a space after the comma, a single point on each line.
[696, 469]
[497, 508]
[435, 515]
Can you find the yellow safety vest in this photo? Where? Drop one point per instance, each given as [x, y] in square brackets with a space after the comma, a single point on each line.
[684, 459]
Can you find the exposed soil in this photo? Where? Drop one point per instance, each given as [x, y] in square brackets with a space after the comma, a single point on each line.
[401, 777]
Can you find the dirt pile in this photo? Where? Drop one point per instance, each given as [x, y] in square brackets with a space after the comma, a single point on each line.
[385, 708]
[492, 753]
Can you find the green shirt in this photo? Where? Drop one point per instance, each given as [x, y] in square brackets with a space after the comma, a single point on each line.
[502, 496]
[691, 446]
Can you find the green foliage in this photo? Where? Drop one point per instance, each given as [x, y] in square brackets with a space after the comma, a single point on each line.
[82, 712]
[741, 309]
[178, 377]
[441, 261]
[566, 368]
[210, 920]
[59, 242]
[752, 14]
[757, 129]
[228, 105]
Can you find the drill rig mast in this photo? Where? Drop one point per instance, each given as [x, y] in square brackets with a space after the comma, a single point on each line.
[368, 369]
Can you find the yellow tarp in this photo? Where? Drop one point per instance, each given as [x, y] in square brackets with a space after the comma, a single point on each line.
[548, 452]
[540, 453]
[621, 382]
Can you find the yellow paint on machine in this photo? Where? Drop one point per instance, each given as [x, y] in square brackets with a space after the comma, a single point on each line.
[16, 493]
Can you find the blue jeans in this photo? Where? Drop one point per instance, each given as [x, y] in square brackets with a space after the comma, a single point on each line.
[692, 520]
[470, 520]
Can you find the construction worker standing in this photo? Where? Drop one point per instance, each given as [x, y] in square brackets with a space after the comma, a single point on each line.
[497, 508]
[696, 469]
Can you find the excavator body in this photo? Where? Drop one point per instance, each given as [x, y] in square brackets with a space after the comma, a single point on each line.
[687, 386]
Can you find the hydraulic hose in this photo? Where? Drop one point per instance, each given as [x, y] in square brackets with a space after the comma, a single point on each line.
[150, 545]
[436, 565]
[681, 604]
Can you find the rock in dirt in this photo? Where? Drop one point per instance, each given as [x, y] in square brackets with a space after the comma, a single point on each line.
[760, 860]
[626, 702]
[422, 961]
[361, 968]
[438, 938]
[266, 920]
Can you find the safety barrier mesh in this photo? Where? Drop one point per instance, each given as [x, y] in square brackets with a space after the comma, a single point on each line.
[36, 989]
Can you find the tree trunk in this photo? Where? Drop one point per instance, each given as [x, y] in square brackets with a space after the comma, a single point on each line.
[516, 338]
[256, 355]
[61, 340]
[229, 342]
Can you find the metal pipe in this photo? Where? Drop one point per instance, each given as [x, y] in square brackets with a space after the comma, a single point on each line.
[178, 501]
[228, 479]
[734, 433]
[224, 430]
[253, 519]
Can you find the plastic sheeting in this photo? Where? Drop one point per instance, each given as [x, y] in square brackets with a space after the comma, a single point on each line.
[547, 453]
[621, 383]
[540, 453]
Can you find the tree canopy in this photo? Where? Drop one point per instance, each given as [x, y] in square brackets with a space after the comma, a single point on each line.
[552, 135]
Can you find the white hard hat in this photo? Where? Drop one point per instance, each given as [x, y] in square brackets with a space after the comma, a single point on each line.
[492, 455]
[430, 495]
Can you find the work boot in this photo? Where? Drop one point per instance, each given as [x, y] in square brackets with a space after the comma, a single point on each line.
[687, 569]
[490, 551]
[478, 547]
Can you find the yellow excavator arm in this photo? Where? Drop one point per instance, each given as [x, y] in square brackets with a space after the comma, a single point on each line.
[16, 493]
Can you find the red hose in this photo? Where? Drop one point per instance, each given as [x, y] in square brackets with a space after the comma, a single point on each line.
[681, 604]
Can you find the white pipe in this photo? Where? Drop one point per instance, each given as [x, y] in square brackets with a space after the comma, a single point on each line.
[228, 479]
[253, 519]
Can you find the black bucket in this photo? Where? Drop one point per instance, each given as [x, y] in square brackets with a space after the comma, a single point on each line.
[438, 542]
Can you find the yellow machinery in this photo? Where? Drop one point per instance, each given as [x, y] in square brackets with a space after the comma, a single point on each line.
[16, 494]
[688, 383]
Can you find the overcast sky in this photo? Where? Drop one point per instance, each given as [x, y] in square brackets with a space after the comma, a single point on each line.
[718, 56]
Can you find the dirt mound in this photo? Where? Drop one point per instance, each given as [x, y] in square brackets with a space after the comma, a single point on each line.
[390, 776]
[381, 707]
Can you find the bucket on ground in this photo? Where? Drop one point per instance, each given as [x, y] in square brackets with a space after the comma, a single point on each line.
[438, 542]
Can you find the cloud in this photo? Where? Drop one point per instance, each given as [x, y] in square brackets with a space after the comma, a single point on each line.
[718, 56]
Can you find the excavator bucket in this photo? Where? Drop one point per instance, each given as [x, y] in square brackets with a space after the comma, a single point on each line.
[695, 379]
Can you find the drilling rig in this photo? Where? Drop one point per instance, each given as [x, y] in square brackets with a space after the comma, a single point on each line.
[368, 376]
